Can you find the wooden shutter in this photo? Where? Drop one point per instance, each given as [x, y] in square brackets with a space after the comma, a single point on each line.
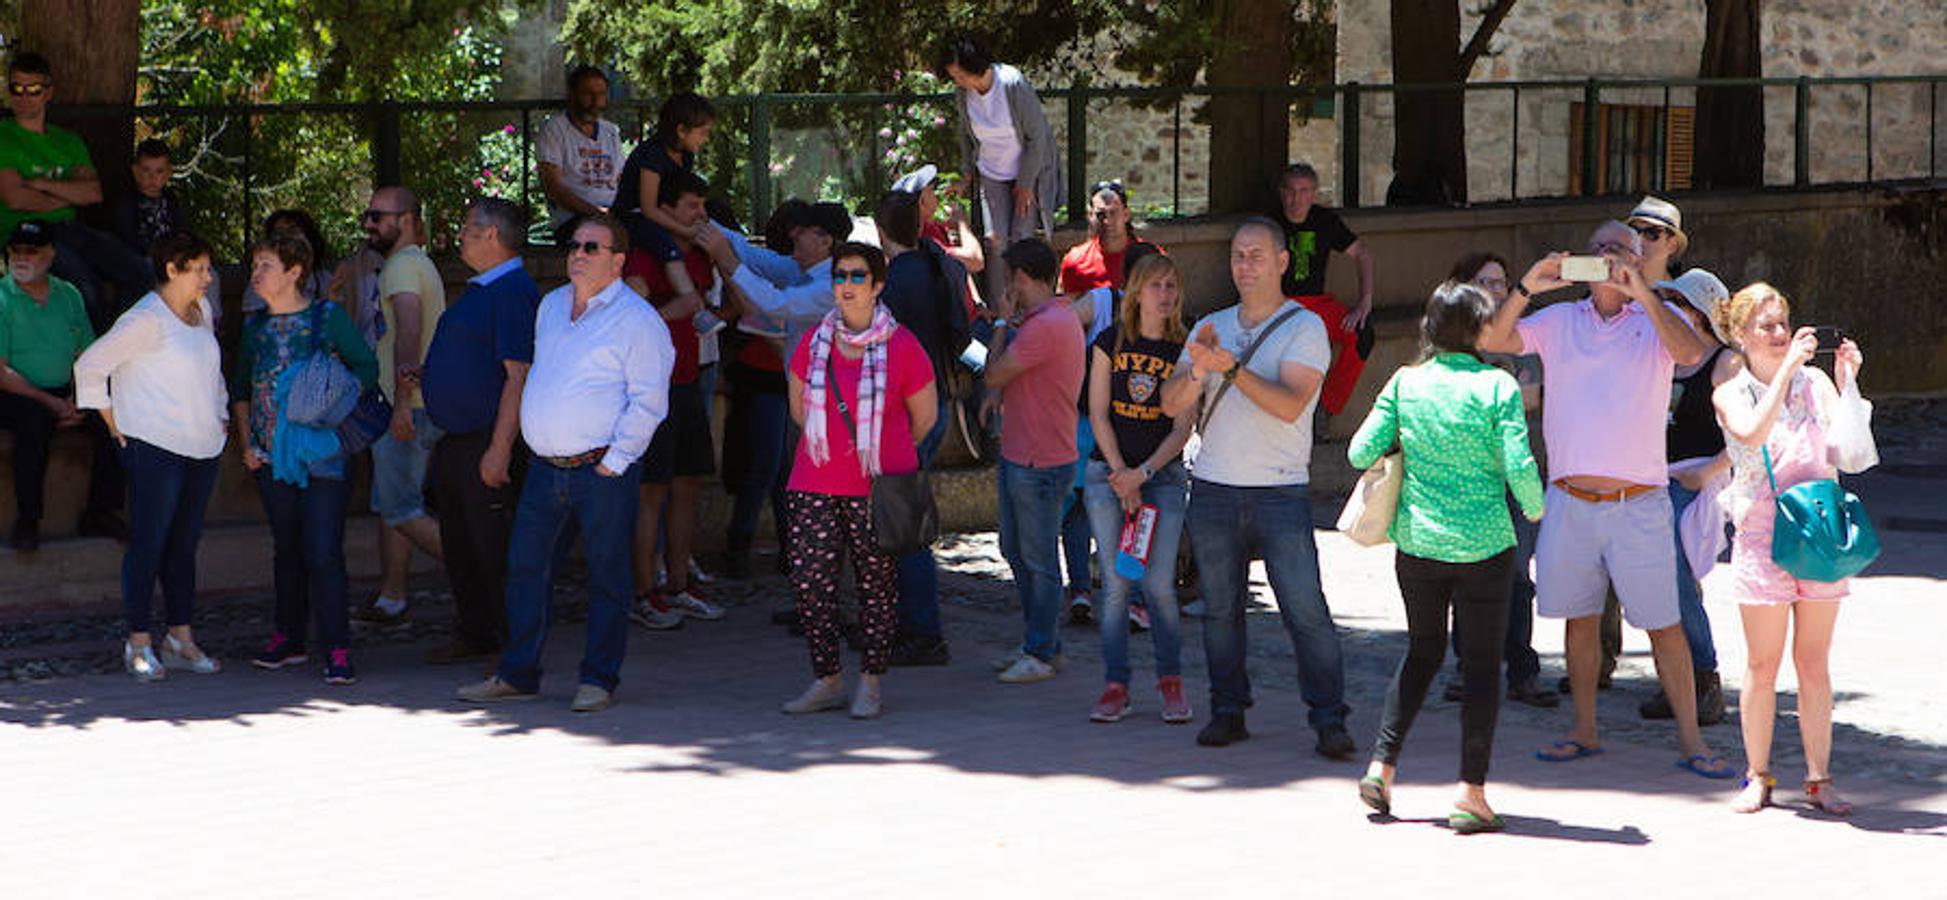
[1575, 150]
[1679, 147]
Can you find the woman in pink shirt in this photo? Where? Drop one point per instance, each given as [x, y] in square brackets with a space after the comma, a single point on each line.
[862, 389]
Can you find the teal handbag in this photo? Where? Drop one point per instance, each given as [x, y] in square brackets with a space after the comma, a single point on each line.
[1821, 532]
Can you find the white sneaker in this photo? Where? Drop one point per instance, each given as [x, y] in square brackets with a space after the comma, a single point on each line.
[698, 576]
[591, 698]
[174, 658]
[689, 604]
[142, 663]
[652, 613]
[821, 695]
[1027, 670]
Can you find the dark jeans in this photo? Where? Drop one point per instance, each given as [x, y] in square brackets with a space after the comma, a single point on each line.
[88, 258]
[605, 508]
[1030, 534]
[1477, 593]
[33, 429]
[1076, 529]
[763, 420]
[919, 573]
[475, 524]
[166, 499]
[1225, 525]
[1690, 594]
[307, 529]
[1517, 644]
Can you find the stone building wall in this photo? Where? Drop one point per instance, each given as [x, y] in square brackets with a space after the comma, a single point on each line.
[1575, 39]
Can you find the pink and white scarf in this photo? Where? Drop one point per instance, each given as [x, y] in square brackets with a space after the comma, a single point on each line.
[869, 413]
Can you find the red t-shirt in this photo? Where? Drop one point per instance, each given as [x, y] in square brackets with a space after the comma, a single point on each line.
[936, 232]
[1087, 266]
[1038, 425]
[682, 332]
[908, 371]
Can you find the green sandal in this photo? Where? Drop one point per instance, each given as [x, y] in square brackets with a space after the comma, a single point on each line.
[1464, 822]
[1376, 794]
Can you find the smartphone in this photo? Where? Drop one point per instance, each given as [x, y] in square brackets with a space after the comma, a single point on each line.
[1829, 337]
[1585, 268]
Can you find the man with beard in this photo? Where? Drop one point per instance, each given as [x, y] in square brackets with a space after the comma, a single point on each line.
[412, 296]
[580, 153]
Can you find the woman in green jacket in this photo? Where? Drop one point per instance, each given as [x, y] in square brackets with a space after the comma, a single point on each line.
[1458, 424]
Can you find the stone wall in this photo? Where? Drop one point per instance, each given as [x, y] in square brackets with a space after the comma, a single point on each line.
[1574, 39]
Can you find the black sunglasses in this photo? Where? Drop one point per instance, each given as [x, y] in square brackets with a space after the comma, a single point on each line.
[378, 215]
[1113, 185]
[588, 247]
[27, 90]
[1652, 232]
[853, 276]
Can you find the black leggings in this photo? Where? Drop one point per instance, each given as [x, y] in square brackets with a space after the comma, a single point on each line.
[1478, 595]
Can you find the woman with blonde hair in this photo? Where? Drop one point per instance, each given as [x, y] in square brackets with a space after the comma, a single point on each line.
[1137, 462]
[1785, 423]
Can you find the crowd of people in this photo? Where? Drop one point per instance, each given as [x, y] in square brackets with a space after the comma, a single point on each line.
[1603, 441]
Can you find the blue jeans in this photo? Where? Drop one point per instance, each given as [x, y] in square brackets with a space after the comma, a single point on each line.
[307, 529]
[1075, 528]
[919, 573]
[1690, 594]
[1225, 524]
[1167, 491]
[167, 495]
[765, 415]
[1517, 642]
[1030, 513]
[605, 508]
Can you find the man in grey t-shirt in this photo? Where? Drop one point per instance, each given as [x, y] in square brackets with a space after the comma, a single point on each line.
[579, 152]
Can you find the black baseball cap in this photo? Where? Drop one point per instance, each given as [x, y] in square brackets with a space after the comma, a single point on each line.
[31, 233]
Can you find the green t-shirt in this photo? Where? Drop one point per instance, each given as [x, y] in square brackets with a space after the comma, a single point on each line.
[55, 153]
[41, 342]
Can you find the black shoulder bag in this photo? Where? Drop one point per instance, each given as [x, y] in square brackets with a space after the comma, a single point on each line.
[904, 517]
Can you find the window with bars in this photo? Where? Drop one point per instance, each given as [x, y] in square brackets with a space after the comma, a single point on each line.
[1638, 148]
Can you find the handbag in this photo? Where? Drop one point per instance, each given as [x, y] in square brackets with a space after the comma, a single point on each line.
[1820, 532]
[904, 517]
[367, 419]
[1368, 514]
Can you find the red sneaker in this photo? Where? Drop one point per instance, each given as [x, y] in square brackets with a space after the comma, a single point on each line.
[1176, 707]
[1113, 704]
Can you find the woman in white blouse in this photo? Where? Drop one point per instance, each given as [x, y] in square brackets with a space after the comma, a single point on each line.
[157, 378]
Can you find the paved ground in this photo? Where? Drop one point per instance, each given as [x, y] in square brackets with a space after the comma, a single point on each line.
[256, 784]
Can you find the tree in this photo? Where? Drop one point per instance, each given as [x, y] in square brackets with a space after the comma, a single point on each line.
[1430, 126]
[1730, 120]
[93, 45]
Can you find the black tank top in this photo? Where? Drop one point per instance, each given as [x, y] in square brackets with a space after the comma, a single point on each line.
[1693, 430]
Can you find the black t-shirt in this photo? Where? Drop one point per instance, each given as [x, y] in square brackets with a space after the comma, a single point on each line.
[1693, 431]
[651, 154]
[1311, 243]
[1136, 375]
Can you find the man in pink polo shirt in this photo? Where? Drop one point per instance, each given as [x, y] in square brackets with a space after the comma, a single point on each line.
[1034, 365]
[1607, 361]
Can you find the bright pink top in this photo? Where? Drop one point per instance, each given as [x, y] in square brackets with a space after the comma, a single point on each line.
[1038, 407]
[1605, 391]
[909, 371]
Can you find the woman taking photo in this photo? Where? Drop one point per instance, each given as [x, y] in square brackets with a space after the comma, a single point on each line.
[157, 379]
[1137, 461]
[304, 498]
[1463, 440]
[1780, 408]
[862, 388]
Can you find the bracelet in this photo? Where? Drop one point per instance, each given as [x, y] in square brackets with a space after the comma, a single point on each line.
[1522, 289]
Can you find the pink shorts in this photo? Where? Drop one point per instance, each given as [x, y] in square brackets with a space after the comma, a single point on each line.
[1757, 581]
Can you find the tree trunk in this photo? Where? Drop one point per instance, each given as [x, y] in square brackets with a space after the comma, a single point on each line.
[1730, 120]
[1249, 132]
[1429, 127]
[95, 46]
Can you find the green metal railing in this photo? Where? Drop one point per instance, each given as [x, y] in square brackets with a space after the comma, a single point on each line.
[747, 161]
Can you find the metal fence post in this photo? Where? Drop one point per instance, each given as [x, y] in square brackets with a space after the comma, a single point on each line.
[1349, 146]
[385, 143]
[760, 157]
[1801, 134]
[1077, 151]
[1591, 143]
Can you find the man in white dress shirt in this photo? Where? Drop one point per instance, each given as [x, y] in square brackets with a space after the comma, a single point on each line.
[597, 391]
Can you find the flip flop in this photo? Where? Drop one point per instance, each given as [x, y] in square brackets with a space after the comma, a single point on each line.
[1567, 751]
[1375, 793]
[1464, 822]
[1708, 765]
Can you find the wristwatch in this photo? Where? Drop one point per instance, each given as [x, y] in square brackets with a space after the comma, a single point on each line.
[1522, 289]
[1148, 473]
[1230, 374]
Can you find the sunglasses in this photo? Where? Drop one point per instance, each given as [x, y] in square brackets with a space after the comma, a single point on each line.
[35, 89]
[1114, 185]
[851, 276]
[378, 215]
[589, 248]
[1652, 232]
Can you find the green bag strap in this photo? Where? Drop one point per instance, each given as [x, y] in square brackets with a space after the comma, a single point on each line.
[1766, 451]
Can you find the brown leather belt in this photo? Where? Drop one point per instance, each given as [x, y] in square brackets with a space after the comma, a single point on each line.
[1627, 492]
[576, 461]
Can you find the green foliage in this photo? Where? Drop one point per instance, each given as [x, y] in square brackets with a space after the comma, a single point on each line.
[225, 52]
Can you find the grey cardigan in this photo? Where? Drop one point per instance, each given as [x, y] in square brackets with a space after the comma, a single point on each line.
[1040, 160]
